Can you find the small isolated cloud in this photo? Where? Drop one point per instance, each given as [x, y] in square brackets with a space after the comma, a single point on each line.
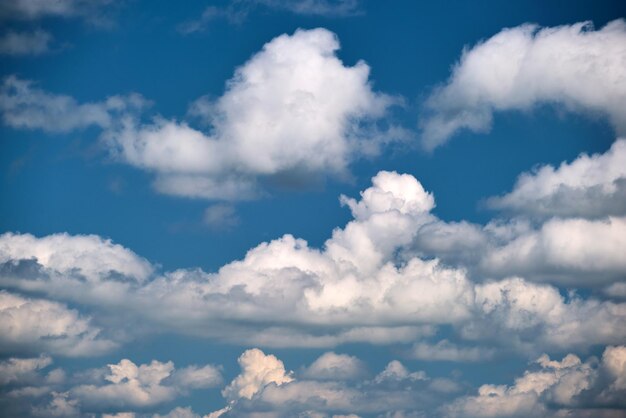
[572, 65]
[220, 216]
[237, 11]
[25, 43]
[590, 186]
[38, 325]
[90, 10]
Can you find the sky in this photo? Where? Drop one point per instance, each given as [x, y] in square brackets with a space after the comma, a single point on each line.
[312, 208]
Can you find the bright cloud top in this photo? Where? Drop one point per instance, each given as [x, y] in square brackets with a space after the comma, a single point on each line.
[293, 107]
[576, 66]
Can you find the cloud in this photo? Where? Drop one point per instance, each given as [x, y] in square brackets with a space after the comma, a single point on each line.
[237, 11]
[365, 284]
[127, 385]
[38, 325]
[220, 216]
[571, 65]
[26, 107]
[19, 370]
[590, 186]
[332, 366]
[444, 350]
[25, 43]
[294, 107]
[92, 10]
[395, 371]
[257, 371]
[558, 388]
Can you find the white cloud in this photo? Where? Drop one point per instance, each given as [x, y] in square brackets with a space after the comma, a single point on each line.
[558, 388]
[35, 325]
[25, 43]
[572, 65]
[395, 371]
[129, 385]
[293, 107]
[332, 366]
[27, 107]
[363, 285]
[37, 9]
[589, 186]
[220, 216]
[257, 371]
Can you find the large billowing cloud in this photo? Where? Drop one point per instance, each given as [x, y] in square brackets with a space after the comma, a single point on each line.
[293, 107]
[516, 69]
[38, 325]
[590, 186]
[364, 285]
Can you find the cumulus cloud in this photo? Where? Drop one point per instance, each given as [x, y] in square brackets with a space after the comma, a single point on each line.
[558, 388]
[38, 325]
[590, 186]
[25, 43]
[19, 370]
[571, 65]
[25, 106]
[363, 285]
[336, 394]
[293, 107]
[127, 385]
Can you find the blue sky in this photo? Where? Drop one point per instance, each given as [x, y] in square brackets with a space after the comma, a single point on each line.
[312, 208]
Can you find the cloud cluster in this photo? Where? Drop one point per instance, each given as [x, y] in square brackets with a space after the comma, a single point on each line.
[574, 66]
[559, 388]
[366, 284]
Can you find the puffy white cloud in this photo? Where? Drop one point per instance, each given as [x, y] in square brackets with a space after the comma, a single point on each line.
[25, 43]
[395, 371]
[558, 388]
[257, 371]
[572, 65]
[24, 106]
[293, 107]
[589, 186]
[34, 325]
[89, 256]
[363, 285]
[332, 366]
[129, 385]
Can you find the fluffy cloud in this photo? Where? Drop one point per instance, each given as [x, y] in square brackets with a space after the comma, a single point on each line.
[293, 107]
[558, 388]
[576, 66]
[363, 285]
[590, 186]
[337, 394]
[129, 385]
[34, 325]
[25, 43]
[18, 370]
[27, 107]
[257, 371]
